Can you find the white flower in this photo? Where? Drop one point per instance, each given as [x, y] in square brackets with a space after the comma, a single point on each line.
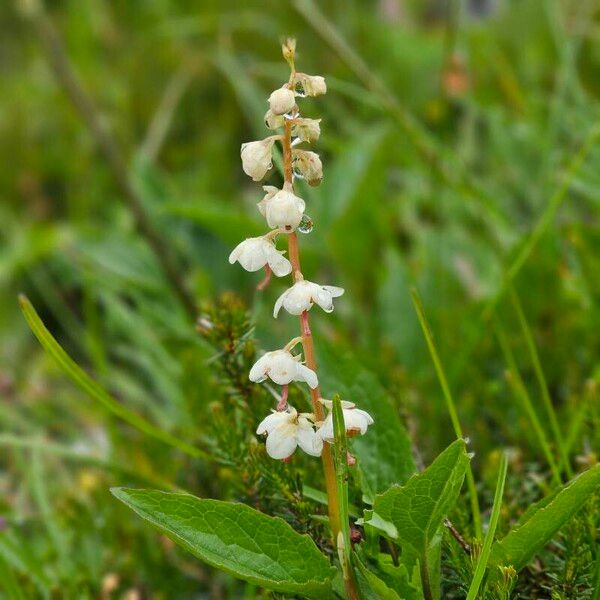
[282, 101]
[306, 130]
[311, 85]
[257, 157]
[356, 421]
[282, 368]
[308, 165]
[273, 121]
[287, 430]
[303, 294]
[282, 208]
[254, 253]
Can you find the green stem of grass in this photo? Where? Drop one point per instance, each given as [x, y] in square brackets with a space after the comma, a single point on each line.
[520, 391]
[489, 537]
[450, 406]
[86, 383]
[539, 373]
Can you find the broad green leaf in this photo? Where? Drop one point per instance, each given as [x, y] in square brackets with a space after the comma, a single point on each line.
[405, 579]
[237, 539]
[523, 542]
[418, 508]
[384, 455]
[87, 384]
[370, 585]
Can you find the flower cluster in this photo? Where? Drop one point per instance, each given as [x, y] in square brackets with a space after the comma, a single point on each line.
[283, 210]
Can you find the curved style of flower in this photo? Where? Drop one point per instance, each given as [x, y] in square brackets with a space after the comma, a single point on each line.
[255, 253]
[356, 420]
[282, 367]
[288, 429]
[303, 294]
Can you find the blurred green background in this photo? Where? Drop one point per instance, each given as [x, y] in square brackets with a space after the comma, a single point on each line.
[459, 143]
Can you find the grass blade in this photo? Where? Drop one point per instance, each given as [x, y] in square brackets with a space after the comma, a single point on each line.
[521, 393]
[450, 406]
[86, 383]
[539, 373]
[489, 537]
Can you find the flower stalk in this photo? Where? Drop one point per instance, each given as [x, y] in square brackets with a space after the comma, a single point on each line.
[287, 429]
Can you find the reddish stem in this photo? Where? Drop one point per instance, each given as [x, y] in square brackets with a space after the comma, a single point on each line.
[284, 398]
[265, 282]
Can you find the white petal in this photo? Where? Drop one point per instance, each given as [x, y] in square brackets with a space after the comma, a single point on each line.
[279, 264]
[236, 252]
[308, 375]
[282, 367]
[281, 442]
[368, 418]
[279, 303]
[356, 419]
[308, 440]
[325, 432]
[334, 291]
[282, 101]
[271, 421]
[259, 369]
[323, 298]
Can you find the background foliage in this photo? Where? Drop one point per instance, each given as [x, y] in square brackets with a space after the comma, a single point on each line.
[459, 151]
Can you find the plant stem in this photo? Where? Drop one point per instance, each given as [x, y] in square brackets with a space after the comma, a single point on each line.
[309, 350]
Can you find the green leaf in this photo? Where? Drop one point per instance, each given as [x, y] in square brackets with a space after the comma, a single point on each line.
[237, 539]
[489, 537]
[523, 542]
[371, 586]
[418, 508]
[384, 455]
[88, 385]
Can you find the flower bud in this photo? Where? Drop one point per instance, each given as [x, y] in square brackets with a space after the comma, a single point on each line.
[308, 165]
[310, 85]
[257, 157]
[281, 208]
[306, 130]
[282, 101]
[273, 121]
[288, 49]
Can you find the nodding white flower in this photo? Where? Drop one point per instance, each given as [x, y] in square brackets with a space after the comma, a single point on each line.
[306, 130]
[282, 368]
[303, 294]
[357, 421]
[311, 85]
[282, 208]
[254, 253]
[287, 430]
[282, 101]
[257, 157]
[273, 121]
[308, 165]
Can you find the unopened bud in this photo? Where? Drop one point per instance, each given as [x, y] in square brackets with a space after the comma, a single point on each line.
[282, 101]
[308, 166]
[288, 49]
[310, 85]
[273, 121]
[257, 157]
[307, 130]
